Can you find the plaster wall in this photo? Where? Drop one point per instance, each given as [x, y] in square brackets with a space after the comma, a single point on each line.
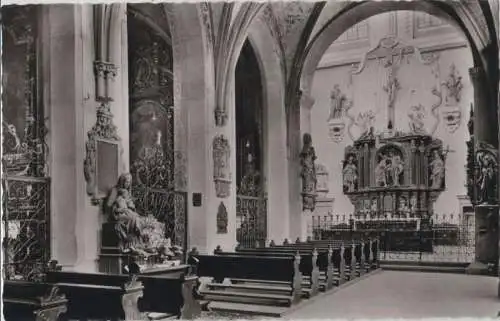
[70, 96]
[366, 91]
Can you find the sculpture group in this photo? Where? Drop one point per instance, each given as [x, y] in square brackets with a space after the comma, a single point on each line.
[141, 235]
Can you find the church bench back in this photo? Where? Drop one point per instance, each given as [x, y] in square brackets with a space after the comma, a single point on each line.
[171, 295]
[98, 295]
[23, 300]
[275, 268]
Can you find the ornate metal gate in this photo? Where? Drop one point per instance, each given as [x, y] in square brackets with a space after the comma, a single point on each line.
[25, 185]
[152, 130]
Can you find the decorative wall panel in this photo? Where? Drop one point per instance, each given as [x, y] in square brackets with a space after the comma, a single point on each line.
[25, 185]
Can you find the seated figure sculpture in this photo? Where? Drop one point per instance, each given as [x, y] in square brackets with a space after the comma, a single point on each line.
[136, 234]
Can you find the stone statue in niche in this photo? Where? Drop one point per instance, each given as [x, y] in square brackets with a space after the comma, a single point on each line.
[437, 169]
[453, 86]
[487, 174]
[308, 174]
[222, 219]
[350, 174]
[374, 207]
[222, 170]
[417, 117]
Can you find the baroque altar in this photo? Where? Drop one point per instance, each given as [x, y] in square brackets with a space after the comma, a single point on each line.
[393, 179]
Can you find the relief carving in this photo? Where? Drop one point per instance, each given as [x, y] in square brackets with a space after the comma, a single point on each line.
[103, 130]
[390, 167]
[308, 174]
[222, 170]
[339, 106]
[180, 173]
[417, 118]
[453, 86]
[222, 219]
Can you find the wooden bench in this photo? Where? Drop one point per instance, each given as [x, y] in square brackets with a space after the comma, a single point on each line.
[23, 301]
[169, 296]
[309, 264]
[348, 256]
[274, 281]
[99, 296]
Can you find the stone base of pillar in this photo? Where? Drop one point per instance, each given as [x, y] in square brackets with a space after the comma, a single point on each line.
[478, 268]
[306, 225]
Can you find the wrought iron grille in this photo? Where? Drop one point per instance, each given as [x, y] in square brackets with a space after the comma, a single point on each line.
[445, 238]
[26, 226]
[25, 185]
[251, 214]
[169, 207]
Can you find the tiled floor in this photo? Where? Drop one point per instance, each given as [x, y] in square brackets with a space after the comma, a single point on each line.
[391, 294]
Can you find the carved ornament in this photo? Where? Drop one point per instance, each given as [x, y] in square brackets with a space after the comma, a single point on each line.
[417, 119]
[221, 152]
[105, 70]
[453, 86]
[206, 18]
[486, 174]
[308, 174]
[322, 179]
[105, 130]
[222, 219]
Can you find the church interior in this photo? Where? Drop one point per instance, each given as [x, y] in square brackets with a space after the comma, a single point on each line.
[302, 159]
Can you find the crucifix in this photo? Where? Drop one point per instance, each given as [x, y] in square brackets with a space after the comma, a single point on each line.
[391, 87]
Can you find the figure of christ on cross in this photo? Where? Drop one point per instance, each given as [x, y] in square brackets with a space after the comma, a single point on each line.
[391, 87]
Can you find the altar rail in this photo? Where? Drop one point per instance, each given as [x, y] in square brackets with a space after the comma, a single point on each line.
[446, 237]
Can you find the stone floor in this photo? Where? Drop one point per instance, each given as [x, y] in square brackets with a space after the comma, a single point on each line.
[392, 294]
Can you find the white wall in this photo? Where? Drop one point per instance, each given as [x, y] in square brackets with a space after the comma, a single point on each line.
[416, 80]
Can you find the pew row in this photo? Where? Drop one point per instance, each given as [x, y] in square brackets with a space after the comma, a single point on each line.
[323, 273]
[256, 280]
[24, 300]
[308, 266]
[135, 297]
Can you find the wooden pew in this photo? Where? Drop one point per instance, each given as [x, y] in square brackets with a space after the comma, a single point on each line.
[348, 256]
[169, 296]
[24, 301]
[99, 296]
[309, 264]
[247, 274]
[168, 291]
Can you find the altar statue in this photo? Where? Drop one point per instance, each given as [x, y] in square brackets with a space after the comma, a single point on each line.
[350, 173]
[437, 170]
[397, 169]
[380, 172]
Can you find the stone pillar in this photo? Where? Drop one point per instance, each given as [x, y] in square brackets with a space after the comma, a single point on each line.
[486, 204]
[306, 104]
[209, 150]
